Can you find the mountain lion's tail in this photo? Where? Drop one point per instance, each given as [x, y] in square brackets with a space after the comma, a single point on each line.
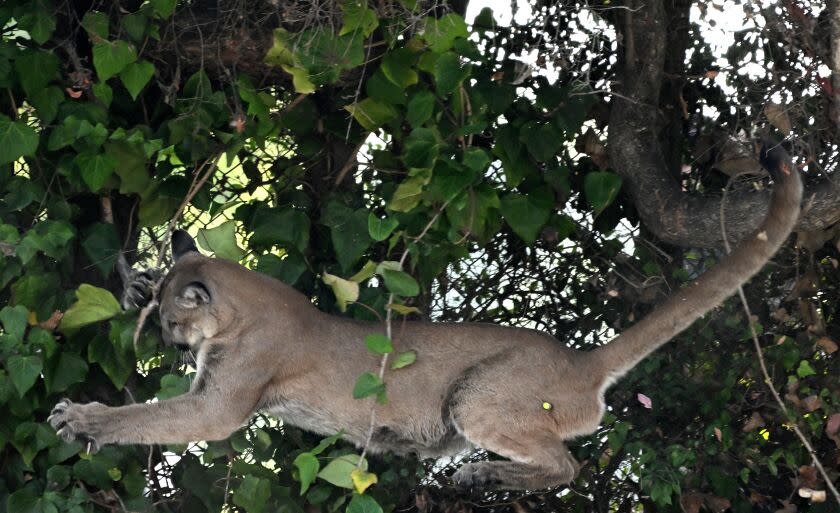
[692, 301]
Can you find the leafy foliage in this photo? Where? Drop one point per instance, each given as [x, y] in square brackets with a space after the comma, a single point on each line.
[472, 178]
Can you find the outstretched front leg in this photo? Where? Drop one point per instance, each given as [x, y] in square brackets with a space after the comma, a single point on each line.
[187, 418]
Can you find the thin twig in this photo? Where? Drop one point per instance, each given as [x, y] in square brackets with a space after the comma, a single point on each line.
[383, 363]
[765, 374]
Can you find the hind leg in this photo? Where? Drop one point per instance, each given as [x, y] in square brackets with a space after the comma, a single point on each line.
[538, 457]
[560, 469]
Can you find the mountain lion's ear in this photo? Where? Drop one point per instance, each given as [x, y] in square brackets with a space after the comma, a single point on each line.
[193, 295]
[182, 244]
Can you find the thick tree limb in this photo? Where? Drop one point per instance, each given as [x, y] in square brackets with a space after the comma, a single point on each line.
[636, 153]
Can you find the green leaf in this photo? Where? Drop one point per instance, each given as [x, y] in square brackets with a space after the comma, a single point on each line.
[308, 466]
[14, 319]
[357, 17]
[92, 305]
[68, 369]
[96, 168]
[46, 102]
[111, 58]
[542, 140]
[136, 75]
[396, 65]
[337, 472]
[420, 108]
[363, 504]
[104, 93]
[39, 22]
[49, 237]
[421, 149]
[253, 494]
[96, 24]
[407, 195]
[25, 500]
[805, 369]
[325, 443]
[400, 283]
[24, 371]
[527, 214]
[345, 291]
[378, 344]
[449, 73]
[371, 114]
[221, 240]
[601, 188]
[440, 33]
[367, 384]
[286, 226]
[380, 229]
[133, 167]
[287, 269]
[404, 360]
[102, 246]
[115, 354]
[16, 140]
[163, 8]
[173, 385]
[476, 159]
[348, 232]
[36, 69]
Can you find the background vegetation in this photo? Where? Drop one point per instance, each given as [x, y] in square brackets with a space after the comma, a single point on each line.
[561, 171]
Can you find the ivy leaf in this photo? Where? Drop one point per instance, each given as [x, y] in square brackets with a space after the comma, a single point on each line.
[24, 371]
[16, 140]
[92, 305]
[363, 504]
[46, 102]
[367, 384]
[96, 168]
[253, 494]
[440, 33]
[102, 246]
[38, 68]
[396, 65]
[68, 369]
[420, 108]
[221, 240]
[400, 283]
[348, 232]
[407, 195]
[404, 360]
[136, 75]
[476, 159]
[371, 114]
[14, 319]
[362, 480]
[804, 370]
[601, 188]
[542, 140]
[357, 16]
[163, 8]
[449, 73]
[287, 269]
[307, 465]
[380, 229]
[527, 214]
[96, 24]
[111, 58]
[377, 343]
[337, 472]
[345, 291]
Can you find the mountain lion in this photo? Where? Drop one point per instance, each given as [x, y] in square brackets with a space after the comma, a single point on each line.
[261, 345]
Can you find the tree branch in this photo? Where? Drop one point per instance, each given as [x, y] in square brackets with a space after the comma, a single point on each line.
[634, 147]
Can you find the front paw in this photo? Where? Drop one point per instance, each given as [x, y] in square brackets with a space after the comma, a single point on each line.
[79, 423]
[138, 292]
[475, 476]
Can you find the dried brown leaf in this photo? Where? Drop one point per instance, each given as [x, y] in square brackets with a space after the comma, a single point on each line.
[808, 476]
[811, 403]
[755, 421]
[827, 345]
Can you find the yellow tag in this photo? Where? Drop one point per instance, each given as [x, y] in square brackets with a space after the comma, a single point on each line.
[362, 480]
[31, 318]
[547, 406]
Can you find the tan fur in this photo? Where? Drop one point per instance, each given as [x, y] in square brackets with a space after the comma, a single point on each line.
[261, 345]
